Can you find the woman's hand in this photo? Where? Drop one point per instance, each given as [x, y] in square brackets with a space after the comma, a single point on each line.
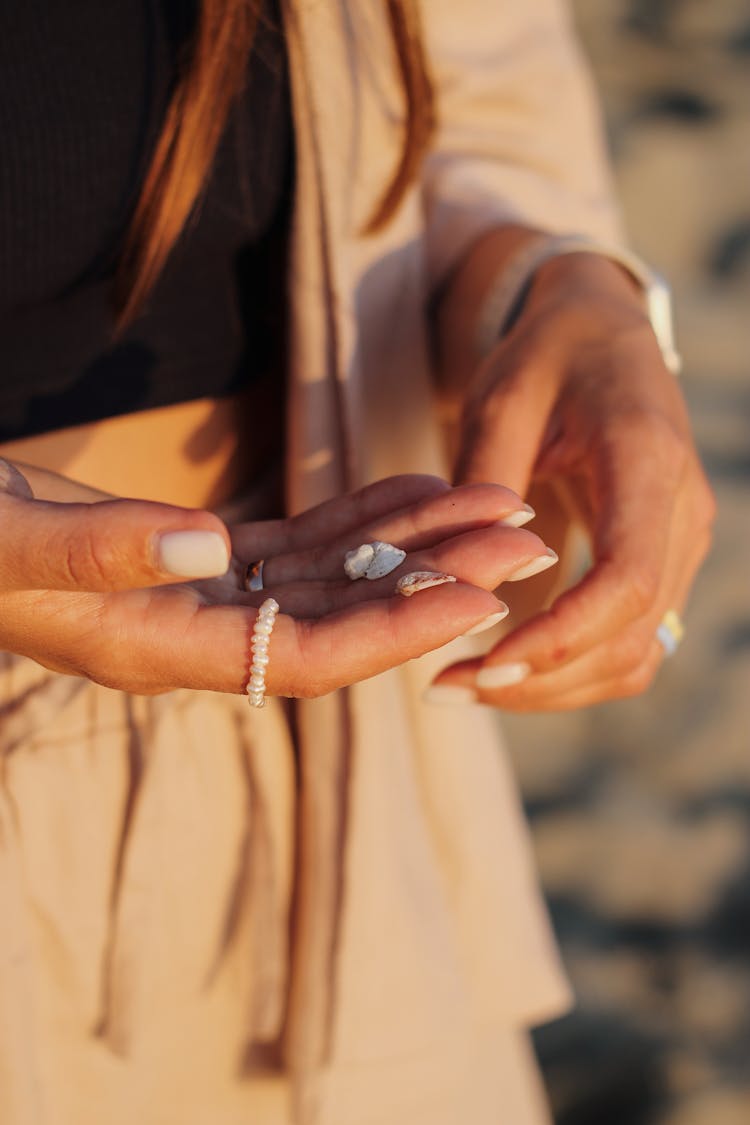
[577, 396]
[84, 589]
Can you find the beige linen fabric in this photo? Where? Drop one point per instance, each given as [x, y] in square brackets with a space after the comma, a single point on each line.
[145, 877]
[189, 895]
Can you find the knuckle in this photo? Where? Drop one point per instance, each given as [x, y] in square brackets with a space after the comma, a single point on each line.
[637, 681]
[707, 506]
[86, 562]
[559, 650]
[668, 450]
[96, 658]
[631, 651]
[641, 587]
[308, 680]
[702, 543]
[105, 654]
[671, 447]
[318, 559]
[675, 448]
[644, 587]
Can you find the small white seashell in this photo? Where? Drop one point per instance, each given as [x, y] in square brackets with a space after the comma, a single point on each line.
[387, 558]
[357, 561]
[409, 584]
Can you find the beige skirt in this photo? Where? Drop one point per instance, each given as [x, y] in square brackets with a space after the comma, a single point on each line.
[147, 877]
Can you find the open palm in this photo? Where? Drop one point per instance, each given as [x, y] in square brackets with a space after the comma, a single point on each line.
[330, 632]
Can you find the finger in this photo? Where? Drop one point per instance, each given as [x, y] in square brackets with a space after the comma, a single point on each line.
[168, 640]
[622, 666]
[618, 667]
[417, 526]
[504, 427]
[593, 679]
[374, 636]
[112, 545]
[450, 514]
[486, 558]
[333, 519]
[544, 698]
[637, 519]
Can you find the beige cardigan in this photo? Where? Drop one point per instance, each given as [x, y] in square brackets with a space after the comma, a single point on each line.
[147, 846]
[434, 841]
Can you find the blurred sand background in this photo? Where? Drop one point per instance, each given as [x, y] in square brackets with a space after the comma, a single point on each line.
[641, 810]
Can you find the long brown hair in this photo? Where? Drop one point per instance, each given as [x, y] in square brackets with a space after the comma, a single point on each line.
[213, 76]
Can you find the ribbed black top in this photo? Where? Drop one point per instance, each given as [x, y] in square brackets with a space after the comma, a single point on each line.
[83, 91]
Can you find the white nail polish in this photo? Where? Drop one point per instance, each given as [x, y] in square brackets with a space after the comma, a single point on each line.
[488, 622]
[536, 566]
[519, 518]
[192, 554]
[449, 693]
[502, 675]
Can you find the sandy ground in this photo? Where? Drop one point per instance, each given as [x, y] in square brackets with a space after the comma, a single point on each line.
[641, 810]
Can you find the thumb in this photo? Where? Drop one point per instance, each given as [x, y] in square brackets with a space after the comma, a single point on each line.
[503, 428]
[104, 546]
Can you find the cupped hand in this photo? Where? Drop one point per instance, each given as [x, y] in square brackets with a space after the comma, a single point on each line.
[578, 396]
[84, 588]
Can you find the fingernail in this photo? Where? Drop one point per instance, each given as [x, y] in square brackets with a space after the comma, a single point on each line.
[536, 566]
[519, 518]
[409, 584]
[488, 622]
[13, 481]
[448, 693]
[502, 675]
[192, 554]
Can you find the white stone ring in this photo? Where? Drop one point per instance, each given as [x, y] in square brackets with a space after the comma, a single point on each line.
[670, 632]
[372, 560]
[253, 580]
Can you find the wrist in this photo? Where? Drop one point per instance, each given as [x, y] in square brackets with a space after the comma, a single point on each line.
[583, 290]
[573, 270]
[453, 309]
[583, 276]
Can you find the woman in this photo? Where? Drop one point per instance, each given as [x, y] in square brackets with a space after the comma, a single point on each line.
[319, 912]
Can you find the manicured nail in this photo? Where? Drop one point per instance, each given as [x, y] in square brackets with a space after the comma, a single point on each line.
[519, 518]
[448, 693]
[536, 566]
[488, 622]
[502, 675]
[409, 584]
[192, 554]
